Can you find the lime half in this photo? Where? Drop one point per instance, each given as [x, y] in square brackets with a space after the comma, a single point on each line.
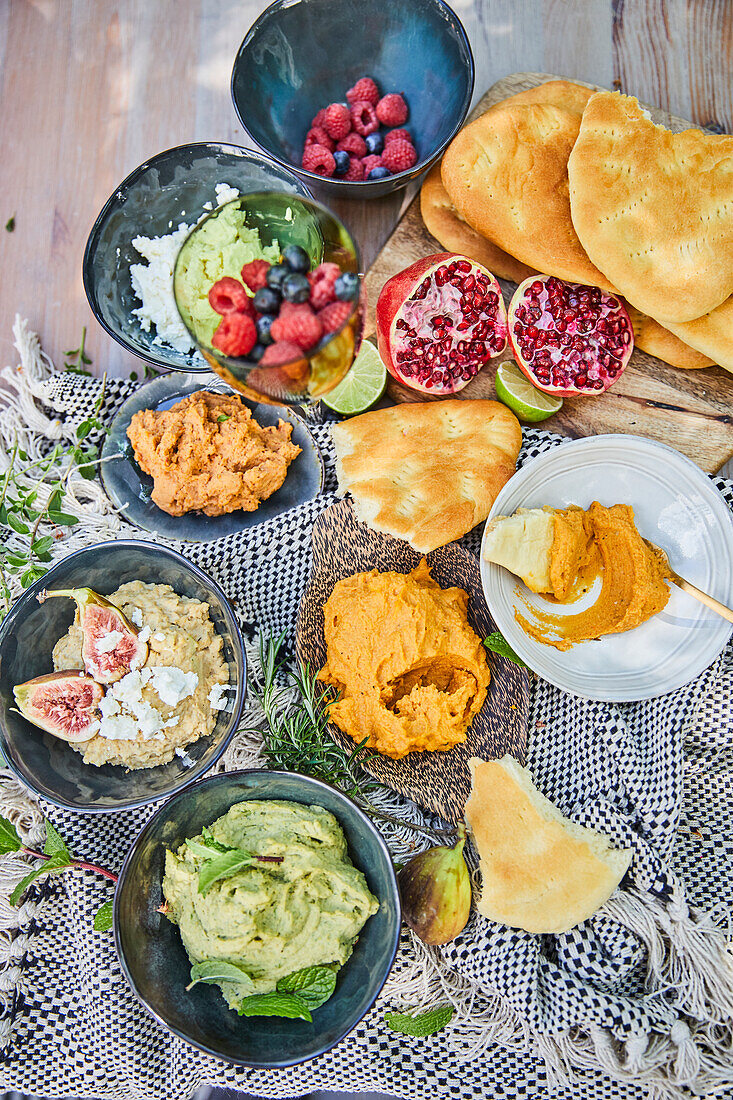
[362, 386]
[525, 400]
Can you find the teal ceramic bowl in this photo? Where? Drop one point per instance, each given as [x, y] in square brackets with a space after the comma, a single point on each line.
[157, 967]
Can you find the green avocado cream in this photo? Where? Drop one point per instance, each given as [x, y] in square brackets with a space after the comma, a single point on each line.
[222, 246]
[271, 919]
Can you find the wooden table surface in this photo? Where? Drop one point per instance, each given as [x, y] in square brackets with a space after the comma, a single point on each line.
[91, 88]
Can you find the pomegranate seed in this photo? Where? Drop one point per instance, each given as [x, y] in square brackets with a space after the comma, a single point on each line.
[464, 265]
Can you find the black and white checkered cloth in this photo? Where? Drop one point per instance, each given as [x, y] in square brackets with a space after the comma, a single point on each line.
[655, 776]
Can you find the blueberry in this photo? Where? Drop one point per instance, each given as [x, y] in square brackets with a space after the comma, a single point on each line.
[341, 158]
[266, 300]
[256, 353]
[379, 173]
[346, 286]
[296, 258]
[374, 144]
[296, 288]
[276, 274]
[264, 323]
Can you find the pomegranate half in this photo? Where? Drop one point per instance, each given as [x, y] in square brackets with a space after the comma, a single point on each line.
[569, 338]
[439, 322]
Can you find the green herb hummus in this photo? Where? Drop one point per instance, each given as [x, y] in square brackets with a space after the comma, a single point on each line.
[270, 919]
[222, 246]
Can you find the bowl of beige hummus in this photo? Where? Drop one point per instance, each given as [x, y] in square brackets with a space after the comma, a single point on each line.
[240, 896]
[122, 677]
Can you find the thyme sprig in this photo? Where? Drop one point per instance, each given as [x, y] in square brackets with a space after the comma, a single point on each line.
[76, 360]
[24, 512]
[296, 737]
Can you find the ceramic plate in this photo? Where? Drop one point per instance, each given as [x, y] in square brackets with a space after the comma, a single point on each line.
[130, 489]
[677, 507]
[438, 781]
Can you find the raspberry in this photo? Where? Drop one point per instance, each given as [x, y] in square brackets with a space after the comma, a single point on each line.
[322, 282]
[254, 274]
[371, 162]
[364, 117]
[397, 135]
[335, 315]
[399, 155]
[236, 335]
[353, 144]
[276, 355]
[392, 110]
[318, 159]
[320, 118]
[297, 325]
[355, 171]
[365, 90]
[229, 296]
[337, 122]
[318, 136]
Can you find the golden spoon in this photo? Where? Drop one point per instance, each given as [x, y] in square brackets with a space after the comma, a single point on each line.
[687, 586]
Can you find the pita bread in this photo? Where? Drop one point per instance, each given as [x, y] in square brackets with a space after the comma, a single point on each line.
[712, 334]
[541, 872]
[656, 340]
[653, 209]
[427, 473]
[455, 235]
[506, 174]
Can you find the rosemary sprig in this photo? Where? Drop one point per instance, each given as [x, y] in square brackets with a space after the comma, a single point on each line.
[296, 738]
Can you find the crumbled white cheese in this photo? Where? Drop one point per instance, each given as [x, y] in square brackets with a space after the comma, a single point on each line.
[188, 762]
[144, 634]
[136, 616]
[172, 684]
[108, 642]
[127, 716]
[153, 282]
[159, 637]
[216, 696]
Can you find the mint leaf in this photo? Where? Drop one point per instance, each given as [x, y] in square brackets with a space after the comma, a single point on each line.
[313, 984]
[218, 970]
[9, 839]
[103, 917]
[497, 643]
[49, 866]
[10, 224]
[275, 1004]
[222, 866]
[54, 845]
[421, 1025]
[223, 417]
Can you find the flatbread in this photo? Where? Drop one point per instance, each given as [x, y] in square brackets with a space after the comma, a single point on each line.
[427, 473]
[653, 209]
[712, 334]
[656, 340]
[506, 174]
[540, 871]
[455, 235]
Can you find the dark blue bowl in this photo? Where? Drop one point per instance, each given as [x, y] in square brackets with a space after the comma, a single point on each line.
[170, 188]
[301, 55]
[52, 768]
[157, 967]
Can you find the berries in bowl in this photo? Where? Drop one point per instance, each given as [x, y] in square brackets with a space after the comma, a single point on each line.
[354, 71]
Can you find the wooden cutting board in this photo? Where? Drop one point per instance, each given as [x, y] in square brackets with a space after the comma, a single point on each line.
[691, 410]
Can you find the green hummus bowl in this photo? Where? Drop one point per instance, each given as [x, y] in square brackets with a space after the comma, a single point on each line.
[155, 962]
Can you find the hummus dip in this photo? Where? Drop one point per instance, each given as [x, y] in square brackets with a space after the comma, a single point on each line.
[271, 919]
[410, 672]
[150, 715]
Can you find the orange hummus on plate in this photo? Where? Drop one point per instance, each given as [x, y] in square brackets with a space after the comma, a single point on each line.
[410, 672]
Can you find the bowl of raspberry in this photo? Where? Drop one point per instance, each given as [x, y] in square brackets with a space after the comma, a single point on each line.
[357, 97]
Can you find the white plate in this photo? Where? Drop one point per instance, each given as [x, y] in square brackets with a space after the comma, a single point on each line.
[675, 506]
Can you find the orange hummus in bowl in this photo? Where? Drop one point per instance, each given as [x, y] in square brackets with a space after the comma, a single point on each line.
[410, 672]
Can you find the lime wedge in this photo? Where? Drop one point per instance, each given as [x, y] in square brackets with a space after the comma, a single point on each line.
[525, 400]
[362, 386]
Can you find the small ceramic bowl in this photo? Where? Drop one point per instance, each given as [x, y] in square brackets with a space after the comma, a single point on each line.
[169, 189]
[155, 962]
[301, 55]
[51, 767]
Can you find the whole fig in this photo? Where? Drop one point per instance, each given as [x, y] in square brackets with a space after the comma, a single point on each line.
[435, 888]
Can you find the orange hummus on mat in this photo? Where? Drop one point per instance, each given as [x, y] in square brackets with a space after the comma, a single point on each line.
[410, 672]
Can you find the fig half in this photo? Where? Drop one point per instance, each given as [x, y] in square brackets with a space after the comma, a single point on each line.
[435, 889]
[111, 647]
[65, 704]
